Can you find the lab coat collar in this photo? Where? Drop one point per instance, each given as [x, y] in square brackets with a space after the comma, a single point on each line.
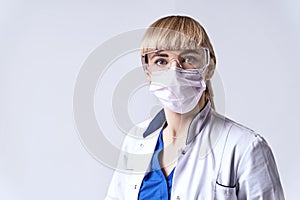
[195, 126]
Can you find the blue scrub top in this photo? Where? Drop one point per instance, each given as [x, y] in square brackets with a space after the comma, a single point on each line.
[155, 185]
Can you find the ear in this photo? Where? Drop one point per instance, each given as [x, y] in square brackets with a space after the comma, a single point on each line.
[210, 70]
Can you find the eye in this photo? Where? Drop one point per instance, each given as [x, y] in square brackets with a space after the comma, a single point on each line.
[189, 59]
[161, 62]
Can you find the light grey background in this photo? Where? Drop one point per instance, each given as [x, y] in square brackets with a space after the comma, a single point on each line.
[44, 43]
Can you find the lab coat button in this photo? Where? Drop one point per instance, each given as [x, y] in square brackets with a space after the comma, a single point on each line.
[141, 145]
[178, 198]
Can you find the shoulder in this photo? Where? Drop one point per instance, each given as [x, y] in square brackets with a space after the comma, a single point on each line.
[239, 140]
[135, 137]
[241, 135]
[138, 129]
[249, 160]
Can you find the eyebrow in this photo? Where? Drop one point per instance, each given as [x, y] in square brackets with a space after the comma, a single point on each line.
[159, 54]
[189, 51]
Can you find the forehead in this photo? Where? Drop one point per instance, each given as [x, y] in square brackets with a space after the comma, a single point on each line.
[171, 38]
[173, 52]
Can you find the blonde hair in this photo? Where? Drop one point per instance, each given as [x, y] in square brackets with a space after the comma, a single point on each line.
[180, 32]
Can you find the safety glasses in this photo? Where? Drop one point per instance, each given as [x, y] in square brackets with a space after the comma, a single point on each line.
[187, 59]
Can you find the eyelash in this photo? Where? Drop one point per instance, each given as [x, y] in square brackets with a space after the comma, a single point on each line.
[160, 60]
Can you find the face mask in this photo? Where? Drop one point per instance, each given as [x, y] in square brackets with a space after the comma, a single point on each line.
[178, 90]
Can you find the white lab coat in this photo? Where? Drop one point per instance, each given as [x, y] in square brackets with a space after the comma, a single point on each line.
[221, 160]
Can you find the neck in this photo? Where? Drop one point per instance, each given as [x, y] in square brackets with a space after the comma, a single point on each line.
[178, 124]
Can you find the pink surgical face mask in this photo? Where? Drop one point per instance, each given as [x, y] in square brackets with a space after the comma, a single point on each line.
[178, 90]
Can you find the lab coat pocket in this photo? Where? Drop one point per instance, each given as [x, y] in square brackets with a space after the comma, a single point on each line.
[225, 192]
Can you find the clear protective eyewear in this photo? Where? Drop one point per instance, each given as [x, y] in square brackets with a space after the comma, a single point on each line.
[187, 59]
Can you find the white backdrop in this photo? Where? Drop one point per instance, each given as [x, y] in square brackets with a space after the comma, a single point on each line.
[44, 43]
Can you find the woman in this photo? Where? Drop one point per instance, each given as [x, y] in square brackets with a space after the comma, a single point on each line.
[188, 151]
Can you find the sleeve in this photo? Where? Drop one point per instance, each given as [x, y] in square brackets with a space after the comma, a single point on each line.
[117, 185]
[257, 174]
